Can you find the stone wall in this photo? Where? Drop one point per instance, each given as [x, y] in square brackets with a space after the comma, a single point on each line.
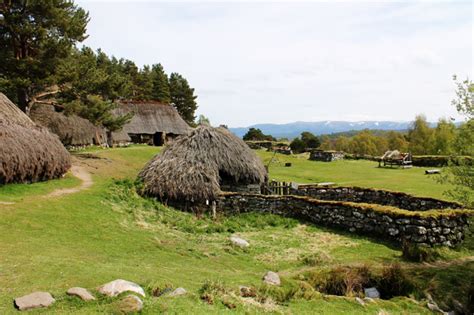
[435, 227]
[377, 196]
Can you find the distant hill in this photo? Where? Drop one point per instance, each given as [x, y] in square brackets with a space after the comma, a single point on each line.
[292, 130]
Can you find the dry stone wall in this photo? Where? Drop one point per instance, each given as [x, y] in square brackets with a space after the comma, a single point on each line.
[377, 196]
[431, 228]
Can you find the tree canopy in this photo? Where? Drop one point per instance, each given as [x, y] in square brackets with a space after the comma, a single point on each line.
[255, 134]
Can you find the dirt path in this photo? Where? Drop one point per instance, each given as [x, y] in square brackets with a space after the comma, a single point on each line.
[82, 174]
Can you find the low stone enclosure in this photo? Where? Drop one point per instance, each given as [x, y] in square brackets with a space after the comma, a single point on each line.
[392, 216]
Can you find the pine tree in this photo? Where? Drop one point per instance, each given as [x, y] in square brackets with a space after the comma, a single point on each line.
[182, 97]
[161, 86]
[34, 37]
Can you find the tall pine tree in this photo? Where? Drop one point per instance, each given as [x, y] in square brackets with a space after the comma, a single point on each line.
[182, 97]
[34, 37]
[161, 88]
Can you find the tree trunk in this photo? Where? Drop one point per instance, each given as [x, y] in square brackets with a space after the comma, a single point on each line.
[23, 100]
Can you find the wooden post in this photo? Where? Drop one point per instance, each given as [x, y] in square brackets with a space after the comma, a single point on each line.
[213, 208]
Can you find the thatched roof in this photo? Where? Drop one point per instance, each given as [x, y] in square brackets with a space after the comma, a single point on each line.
[190, 168]
[149, 117]
[28, 153]
[71, 130]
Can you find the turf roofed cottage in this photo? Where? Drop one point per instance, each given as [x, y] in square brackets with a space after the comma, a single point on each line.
[152, 123]
[28, 152]
[194, 169]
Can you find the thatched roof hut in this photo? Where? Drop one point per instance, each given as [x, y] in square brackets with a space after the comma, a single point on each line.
[197, 167]
[72, 130]
[28, 153]
[152, 122]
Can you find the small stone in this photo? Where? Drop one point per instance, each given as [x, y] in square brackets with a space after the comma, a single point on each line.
[240, 242]
[118, 286]
[82, 293]
[34, 300]
[360, 301]
[434, 307]
[272, 278]
[131, 304]
[372, 293]
[178, 292]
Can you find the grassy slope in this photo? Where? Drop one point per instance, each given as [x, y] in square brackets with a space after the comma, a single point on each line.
[105, 233]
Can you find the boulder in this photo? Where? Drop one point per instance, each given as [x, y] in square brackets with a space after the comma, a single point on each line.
[271, 278]
[178, 292]
[82, 293]
[372, 293]
[130, 304]
[34, 300]
[240, 242]
[119, 286]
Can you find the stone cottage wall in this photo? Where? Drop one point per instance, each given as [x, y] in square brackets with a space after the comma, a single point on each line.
[436, 227]
[377, 196]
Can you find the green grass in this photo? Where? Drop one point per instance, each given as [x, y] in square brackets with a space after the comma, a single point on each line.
[353, 173]
[109, 232]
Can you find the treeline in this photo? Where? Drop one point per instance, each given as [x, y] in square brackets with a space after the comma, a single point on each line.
[444, 139]
[41, 64]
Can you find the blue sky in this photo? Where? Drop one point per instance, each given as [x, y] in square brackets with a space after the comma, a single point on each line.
[261, 62]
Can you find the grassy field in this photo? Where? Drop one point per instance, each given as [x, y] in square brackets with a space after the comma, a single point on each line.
[109, 232]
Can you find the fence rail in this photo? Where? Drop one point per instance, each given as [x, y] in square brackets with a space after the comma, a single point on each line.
[277, 188]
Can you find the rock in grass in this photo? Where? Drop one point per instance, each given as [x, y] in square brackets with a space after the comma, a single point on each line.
[34, 300]
[240, 242]
[81, 293]
[119, 286]
[178, 292]
[130, 304]
[360, 301]
[372, 293]
[271, 278]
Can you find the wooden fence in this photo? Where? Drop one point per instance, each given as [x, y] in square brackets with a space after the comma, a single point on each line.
[277, 188]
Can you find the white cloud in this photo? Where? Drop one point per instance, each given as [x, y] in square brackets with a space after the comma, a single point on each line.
[281, 62]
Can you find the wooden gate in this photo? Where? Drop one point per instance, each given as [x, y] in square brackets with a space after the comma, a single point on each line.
[277, 188]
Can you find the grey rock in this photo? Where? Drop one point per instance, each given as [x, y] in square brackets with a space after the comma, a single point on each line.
[240, 242]
[178, 292]
[118, 286]
[393, 231]
[34, 300]
[82, 293]
[131, 304]
[272, 278]
[360, 301]
[434, 307]
[372, 293]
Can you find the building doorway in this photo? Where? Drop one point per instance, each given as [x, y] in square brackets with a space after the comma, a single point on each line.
[158, 139]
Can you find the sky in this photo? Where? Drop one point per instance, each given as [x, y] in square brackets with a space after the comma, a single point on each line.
[280, 62]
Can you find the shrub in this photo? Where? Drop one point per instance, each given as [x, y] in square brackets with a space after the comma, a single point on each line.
[417, 253]
[394, 282]
[343, 281]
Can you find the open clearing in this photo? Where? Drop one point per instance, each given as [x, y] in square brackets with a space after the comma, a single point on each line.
[105, 232]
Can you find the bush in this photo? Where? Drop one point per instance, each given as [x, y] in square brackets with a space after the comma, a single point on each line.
[313, 259]
[417, 253]
[394, 282]
[343, 281]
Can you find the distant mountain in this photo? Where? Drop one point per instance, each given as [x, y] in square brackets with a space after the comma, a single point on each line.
[292, 130]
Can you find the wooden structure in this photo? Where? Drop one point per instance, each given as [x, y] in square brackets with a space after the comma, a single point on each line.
[391, 158]
[277, 188]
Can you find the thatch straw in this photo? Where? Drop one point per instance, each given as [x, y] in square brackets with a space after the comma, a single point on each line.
[149, 117]
[72, 130]
[190, 168]
[28, 153]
